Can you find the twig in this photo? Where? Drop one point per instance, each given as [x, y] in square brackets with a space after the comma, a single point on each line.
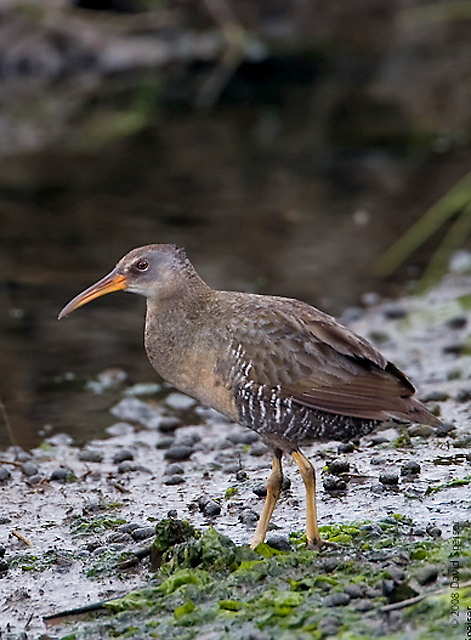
[410, 601]
[21, 537]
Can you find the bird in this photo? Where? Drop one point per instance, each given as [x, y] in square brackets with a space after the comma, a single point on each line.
[277, 365]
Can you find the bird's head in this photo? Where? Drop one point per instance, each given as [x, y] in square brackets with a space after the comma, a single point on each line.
[155, 270]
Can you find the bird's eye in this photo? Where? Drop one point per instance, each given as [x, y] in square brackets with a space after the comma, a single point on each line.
[142, 265]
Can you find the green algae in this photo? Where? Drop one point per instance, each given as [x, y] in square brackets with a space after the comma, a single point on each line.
[454, 482]
[207, 585]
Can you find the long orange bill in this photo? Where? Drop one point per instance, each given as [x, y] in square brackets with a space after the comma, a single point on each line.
[112, 282]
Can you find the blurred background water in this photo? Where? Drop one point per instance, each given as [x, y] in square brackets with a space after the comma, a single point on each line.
[285, 145]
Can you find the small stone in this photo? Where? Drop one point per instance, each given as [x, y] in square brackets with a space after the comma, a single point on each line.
[333, 483]
[457, 322]
[444, 429]
[120, 429]
[142, 533]
[32, 480]
[434, 396]
[346, 447]
[286, 484]
[178, 453]
[29, 469]
[336, 599]
[338, 466]
[389, 478]
[433, 531]
[421, 430]
[279, 542]
[60, 440]
[137, 411]
[243, 437]
[189, 439]
[258, 449]
[165, 443]
[396, 573]
[4, 474]
[248, 517]
[212, 509]
[427, 575]
[355, 590]
[175, 479]
[23, 456]
[174, 469]
[394, 311]
[168, 424]
[122, 455]
[329, 626]
[90, 455]
[129, 527]
[242, 475]
[119, 537]
[179, 401]
[260, 490]
[62, 474]
[454, 348]
[231, 468]
[3, 566]
[126, 466]
[363, 606]
[410, 468]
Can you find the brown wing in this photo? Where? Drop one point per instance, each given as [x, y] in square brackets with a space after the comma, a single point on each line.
[321, 364]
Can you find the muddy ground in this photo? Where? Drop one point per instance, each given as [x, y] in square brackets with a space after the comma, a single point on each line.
[69, 514]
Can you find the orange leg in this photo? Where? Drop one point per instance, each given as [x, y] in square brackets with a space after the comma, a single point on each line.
[274, 483]
[309, 478]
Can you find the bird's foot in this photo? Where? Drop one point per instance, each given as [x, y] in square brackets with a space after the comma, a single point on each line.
[318, 543]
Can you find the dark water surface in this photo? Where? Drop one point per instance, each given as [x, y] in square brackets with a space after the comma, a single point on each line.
[260, 201]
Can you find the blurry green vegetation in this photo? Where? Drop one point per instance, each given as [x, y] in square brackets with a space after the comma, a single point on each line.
[453, 208]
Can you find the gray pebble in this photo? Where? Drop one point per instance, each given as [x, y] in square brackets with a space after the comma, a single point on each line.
[179, 401]
[248, 517]
[355, 590]
[4, 474]
[32, 480]
[410, 468]
[129, 527]
[454, 348]
[212, 509]
[168, 424]
[142, 533]
[61, 474]
[433, 531]
[333, 483]
[178, 453]
[241, 475]
[336, 599]
[123, 454]
[175, 479]
[23, 456]
[164, 443]
[457, 322]
[421, 430]
[119, 537]
[188, 439]
[396, 573]
[3, 566]
[434, 396]
[243, 437]
[444, 429]
[29, 469]
[126, 466]
[258, 449]
[394, 311]
[363, 606]
[346, 447]
[427, 575]
[90, 455]
[329, 626]
[373, 593]
[389, 478]
[174, 469]
[120, 429]
[231, 468]
[260, 490]
[279, 542]
[338, 466]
